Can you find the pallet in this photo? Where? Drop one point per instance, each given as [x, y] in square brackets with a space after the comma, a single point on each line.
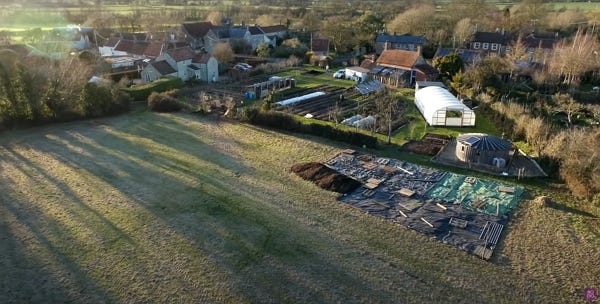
[491, 233]
[456, 222]
[483, 252]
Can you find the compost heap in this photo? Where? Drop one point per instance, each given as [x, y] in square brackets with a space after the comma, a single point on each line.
[325, 177]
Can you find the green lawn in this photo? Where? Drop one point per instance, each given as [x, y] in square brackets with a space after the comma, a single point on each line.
[177, 208]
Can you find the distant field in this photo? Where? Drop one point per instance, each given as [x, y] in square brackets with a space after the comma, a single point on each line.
[176, 208]
[27, 17]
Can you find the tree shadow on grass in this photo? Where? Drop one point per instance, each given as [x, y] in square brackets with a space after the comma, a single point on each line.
[568, 209]
[228, 219]
[35, 269]
[245, 228]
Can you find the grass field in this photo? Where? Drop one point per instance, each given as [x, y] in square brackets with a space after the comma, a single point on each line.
[176, 208]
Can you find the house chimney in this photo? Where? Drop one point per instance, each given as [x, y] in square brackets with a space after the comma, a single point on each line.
[419, 49]
[387, 46]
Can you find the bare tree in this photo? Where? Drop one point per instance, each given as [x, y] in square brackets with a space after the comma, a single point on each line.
[311, 22]
[567, 104]
[573, 59]
[386, 104]
[463, 31]
[335, 113]
[579, 166]
[565, 21]
[416, 20]
[265, 19]
[215, 17]
[339, 31]
[223, 52]
[528, 15]
[537, 134]
[230, 105]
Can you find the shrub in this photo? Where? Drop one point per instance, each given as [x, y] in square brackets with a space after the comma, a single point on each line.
[160, 85]
[287, 122]
[162, 102]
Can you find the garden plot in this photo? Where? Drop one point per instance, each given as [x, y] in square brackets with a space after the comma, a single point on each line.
[320, 107]
[453, 208]
[430, 144]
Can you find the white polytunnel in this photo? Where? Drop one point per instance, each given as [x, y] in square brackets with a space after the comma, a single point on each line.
[440, 108]
[291, 101]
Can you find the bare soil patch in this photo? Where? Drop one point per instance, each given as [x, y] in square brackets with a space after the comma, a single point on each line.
[430, 144]
[325, 177]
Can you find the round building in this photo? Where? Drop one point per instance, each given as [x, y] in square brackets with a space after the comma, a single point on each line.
[483, 149]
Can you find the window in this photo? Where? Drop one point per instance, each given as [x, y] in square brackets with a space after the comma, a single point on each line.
[494, 46]
[486, 45]
[476, 45]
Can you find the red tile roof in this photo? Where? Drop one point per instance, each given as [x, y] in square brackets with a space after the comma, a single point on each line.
[398, 59]
[181, 54]
[368, 64]
[201, 58]
[124, 46]
[197, 29]
[154, 49]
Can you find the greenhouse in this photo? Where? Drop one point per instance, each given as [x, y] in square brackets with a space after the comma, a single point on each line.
[440, 108]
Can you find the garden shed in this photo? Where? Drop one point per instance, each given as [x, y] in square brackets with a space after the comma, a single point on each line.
[440, 108]
[483, 149]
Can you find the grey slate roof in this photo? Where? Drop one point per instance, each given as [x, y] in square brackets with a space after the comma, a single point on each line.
[405, 38]
[484, 142]
[163, 67]
[255, 30]
[491, 37]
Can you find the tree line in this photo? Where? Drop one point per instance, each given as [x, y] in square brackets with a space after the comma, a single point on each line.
[36, 90]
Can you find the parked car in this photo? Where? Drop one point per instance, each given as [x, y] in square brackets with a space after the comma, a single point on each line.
[340, 74]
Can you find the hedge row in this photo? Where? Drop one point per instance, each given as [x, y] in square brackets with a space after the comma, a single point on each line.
[160, 85]
[284, 121]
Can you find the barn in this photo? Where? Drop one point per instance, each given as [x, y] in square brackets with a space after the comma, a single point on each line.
[440, 108]
[483, 149]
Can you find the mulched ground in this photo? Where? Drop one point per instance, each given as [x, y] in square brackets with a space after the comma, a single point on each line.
[430, 144]
[325, 177]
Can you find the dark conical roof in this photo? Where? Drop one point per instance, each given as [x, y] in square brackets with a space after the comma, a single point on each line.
[483, 142]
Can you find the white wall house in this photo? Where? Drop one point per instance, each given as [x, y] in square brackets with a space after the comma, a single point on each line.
[205, 67]
[184, 64]
[156, 70]
[179, 59]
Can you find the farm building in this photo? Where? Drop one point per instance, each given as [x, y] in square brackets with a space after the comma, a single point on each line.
[440, 108]
[357, 73]
[483, 149]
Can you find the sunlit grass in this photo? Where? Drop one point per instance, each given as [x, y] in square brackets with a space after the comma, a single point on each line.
[180, 208]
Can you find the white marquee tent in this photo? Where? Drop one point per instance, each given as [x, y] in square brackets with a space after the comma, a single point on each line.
[440, 108]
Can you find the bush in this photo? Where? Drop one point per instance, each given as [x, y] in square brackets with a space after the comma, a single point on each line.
[163, 102]
[160, 85]
[287, 122]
